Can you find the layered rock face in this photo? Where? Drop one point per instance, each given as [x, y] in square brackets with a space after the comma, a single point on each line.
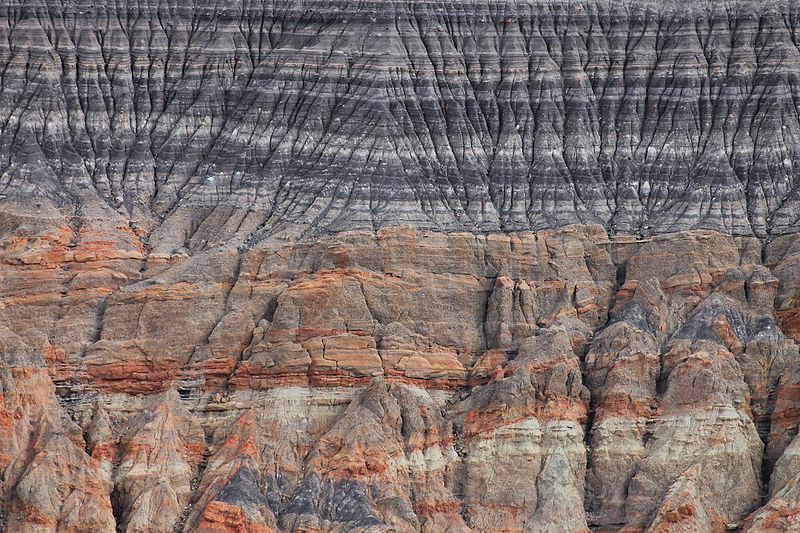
[405, 266]
[399, 380]
[221, 120]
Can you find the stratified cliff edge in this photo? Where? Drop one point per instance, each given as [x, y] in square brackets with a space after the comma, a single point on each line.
[399, 266]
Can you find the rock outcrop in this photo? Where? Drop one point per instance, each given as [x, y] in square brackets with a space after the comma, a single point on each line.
[410, 266]
[400, 380]
[202, 123]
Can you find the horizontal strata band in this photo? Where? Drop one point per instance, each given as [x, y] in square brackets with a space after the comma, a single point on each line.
[398, 380]
[646, 117]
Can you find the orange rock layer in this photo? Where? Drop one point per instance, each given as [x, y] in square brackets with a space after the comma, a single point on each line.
[371, 380]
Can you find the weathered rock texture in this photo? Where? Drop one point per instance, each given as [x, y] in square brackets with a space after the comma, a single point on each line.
[399, 266]
[397, 380]
[224, 120]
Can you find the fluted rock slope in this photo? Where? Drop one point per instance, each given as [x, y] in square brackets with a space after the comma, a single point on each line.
[399, 266]
[233, 119]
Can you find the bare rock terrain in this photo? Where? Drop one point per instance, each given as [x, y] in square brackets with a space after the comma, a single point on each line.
[399, 266]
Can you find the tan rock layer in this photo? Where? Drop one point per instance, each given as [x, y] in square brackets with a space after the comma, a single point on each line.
[367, 381]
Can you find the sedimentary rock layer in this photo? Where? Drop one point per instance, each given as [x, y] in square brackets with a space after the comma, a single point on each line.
[213, 120]
[399, 266]
[399, 380]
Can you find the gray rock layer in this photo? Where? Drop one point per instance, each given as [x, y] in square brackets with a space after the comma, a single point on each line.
[647, 117]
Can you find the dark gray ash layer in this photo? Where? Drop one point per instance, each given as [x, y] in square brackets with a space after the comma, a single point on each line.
[647, 117]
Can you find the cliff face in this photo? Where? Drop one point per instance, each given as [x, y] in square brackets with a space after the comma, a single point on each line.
[400, 380]
[221, 119]
[399, 266]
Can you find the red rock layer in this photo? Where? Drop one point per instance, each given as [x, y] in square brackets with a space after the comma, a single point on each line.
[396, 380]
